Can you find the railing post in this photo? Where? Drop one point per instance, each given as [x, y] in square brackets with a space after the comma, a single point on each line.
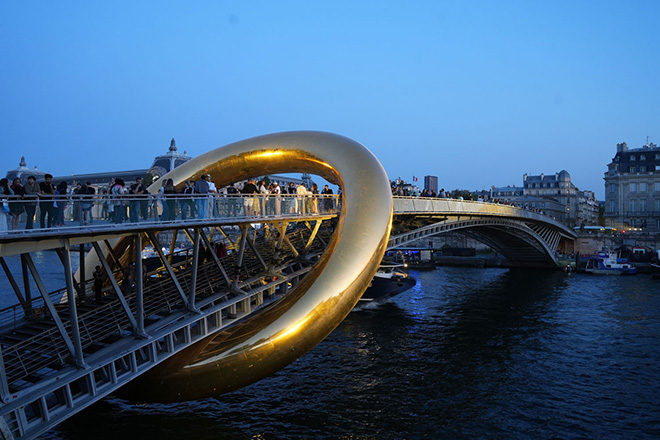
[4, 385]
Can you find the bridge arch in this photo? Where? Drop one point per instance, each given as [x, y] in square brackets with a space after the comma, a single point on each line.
[526, 238]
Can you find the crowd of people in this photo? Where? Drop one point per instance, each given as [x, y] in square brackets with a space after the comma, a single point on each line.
[119, 202]
[463, 195]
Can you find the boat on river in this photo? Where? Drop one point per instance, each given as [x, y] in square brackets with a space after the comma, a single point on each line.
[389, 280]
[609, 263]
[655, 266]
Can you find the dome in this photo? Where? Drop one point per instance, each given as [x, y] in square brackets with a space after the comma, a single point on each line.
[564, 176]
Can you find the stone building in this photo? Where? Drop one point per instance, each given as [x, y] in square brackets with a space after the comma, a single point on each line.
[556, 196]
[431, 183]
[167, 162]
[23, 172]
[632, 188]
[580, 207]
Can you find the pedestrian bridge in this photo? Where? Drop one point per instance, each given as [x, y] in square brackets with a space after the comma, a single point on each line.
[186, 309]
[524, 237]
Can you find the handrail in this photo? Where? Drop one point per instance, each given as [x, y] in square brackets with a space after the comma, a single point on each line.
[102, 211]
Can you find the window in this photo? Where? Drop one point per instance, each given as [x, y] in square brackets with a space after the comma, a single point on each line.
[642, 169]
[642, 205]
[632, 158]
[633, 205]
[613, 206]
[657, 205]
[632, 187]
[657, 186]
[612, 188]
[633, 170]
[657, 156]
[642, 157]
[642, 186]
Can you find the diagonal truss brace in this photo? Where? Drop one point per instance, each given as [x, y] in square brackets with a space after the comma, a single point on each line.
[115, 286]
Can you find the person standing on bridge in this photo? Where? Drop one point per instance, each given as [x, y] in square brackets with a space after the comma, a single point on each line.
[202, 188]
[327, 198]
[17, 207]
[249, 189]
[170, 192]
[187, 205]
[118, 192]
[46, 193]
[301, 191]
[293, 203]
[31, 193]
[278, 200]
[5, 192]
[138, 203]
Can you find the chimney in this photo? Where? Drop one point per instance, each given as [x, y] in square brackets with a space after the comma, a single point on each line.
[622, 147]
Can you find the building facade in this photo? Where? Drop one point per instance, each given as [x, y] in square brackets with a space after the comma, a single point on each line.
[556, 196]
[632, 188]
[431, 183]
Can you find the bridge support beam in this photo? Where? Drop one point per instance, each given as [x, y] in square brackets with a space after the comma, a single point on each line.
[73, 311]
[49, 304]
[115, 286]
[27, 307]
[209, 248]
[193, 272]
[156, 245]
[139, 288]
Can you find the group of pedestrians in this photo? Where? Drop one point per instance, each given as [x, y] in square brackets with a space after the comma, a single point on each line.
[19, 199]
[119, 202]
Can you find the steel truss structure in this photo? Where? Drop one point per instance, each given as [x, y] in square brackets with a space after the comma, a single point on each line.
[62, 351]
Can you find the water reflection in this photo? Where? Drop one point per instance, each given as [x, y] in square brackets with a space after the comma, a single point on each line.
[467, 353]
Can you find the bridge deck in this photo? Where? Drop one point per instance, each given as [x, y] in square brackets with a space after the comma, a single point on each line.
[35, 356]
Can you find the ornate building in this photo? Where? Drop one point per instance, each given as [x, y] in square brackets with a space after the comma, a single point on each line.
[168, 161]
[555, 195]
[632, 188]
[23, 172]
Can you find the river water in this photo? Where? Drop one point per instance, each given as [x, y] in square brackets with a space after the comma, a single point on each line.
[465, 354]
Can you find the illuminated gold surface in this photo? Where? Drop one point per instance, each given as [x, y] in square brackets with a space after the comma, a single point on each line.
[267, 342]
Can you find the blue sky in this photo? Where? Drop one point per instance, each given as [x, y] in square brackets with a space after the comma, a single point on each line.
[475, 92]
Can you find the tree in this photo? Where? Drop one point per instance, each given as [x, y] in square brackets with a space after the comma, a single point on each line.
[148, 179]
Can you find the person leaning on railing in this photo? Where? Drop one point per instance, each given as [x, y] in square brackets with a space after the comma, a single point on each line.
[328, 199]
[16, 207]
[46, 206]
[187, 205]
[170, 193]
[31, 195]
[5, 193]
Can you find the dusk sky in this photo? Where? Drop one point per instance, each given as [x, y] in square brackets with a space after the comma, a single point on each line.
[474, 92]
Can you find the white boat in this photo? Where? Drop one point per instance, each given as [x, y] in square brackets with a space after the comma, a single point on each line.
[609, 263]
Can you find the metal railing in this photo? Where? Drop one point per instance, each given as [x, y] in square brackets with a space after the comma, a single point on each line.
[404, 204]
[24, 215]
